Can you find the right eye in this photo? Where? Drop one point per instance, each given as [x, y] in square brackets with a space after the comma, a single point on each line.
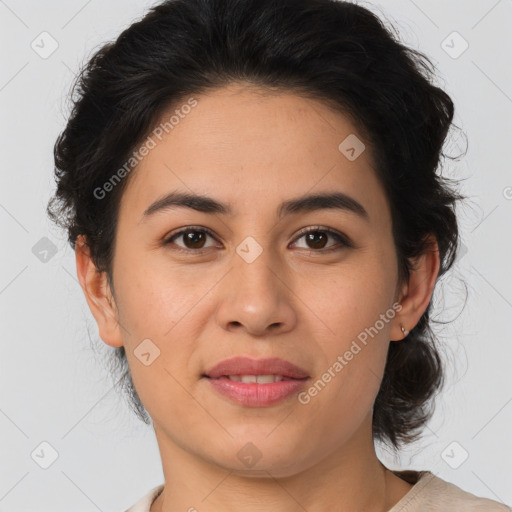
[192, 237]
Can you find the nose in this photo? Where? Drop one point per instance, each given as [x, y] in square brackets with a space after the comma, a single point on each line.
[255, 297]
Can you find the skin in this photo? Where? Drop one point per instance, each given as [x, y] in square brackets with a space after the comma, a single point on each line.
[254, 151]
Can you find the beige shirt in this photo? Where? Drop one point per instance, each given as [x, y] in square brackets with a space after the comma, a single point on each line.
[428, 494]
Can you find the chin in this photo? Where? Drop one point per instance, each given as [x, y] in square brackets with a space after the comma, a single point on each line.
[260, 455]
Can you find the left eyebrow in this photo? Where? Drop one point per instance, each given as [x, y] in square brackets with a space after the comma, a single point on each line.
[306, 203]
[332, 200]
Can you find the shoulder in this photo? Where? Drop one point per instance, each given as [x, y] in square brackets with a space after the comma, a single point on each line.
[144, 503]
[431, 494]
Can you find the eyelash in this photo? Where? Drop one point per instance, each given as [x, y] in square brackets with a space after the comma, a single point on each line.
[341, 239]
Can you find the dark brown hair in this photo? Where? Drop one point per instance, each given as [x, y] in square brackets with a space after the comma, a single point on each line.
[335, 51]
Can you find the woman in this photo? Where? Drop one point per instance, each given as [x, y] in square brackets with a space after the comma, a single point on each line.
[250, 188]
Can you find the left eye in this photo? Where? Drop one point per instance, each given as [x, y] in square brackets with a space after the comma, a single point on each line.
[195, 238]
[318, 237]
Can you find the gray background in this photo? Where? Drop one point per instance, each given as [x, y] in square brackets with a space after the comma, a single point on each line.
[53, 386]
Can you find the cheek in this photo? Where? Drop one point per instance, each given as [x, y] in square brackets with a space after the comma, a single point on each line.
[151, 299]
[159, 307]
[351, 298]
[353, 360]
[356, 304]
[160, 304]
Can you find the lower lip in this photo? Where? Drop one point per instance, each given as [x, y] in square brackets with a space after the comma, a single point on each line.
[254, 394]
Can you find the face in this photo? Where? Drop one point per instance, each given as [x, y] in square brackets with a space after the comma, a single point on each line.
[315, 286]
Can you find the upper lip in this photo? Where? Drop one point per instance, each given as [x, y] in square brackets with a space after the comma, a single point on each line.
[248, 366]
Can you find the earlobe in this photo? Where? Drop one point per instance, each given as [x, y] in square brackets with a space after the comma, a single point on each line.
[417, 292]
[97, 294]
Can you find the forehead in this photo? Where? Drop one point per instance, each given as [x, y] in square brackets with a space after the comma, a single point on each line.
[251, 148]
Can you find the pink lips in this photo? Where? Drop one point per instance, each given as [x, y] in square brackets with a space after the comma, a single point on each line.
[256, 394]
[248, 366]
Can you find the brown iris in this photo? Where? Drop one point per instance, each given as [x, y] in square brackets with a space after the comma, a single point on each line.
[195, 238]
[314, 236]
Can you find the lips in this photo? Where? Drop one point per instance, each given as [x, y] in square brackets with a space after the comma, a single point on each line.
[256, 382]
[243, 367]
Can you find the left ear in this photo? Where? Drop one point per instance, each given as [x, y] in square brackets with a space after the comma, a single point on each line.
[417, 292]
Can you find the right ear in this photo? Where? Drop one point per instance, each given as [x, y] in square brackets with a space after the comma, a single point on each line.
[98, 294]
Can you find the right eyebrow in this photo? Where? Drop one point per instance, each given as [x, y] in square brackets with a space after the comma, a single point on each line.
[196, 202]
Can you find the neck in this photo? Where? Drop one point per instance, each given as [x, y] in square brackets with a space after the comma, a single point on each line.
[348, 479]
